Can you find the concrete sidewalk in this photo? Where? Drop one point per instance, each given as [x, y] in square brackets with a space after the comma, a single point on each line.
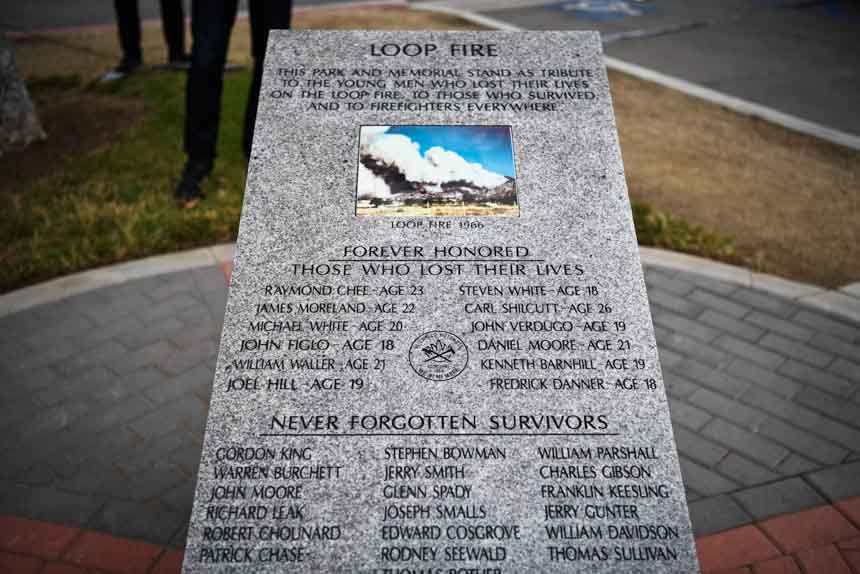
[104, 397]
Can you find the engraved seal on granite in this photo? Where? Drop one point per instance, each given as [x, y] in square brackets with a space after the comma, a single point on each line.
[438, 355]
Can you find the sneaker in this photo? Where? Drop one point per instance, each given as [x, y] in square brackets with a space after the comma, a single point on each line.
[124, 69]
[189, 193]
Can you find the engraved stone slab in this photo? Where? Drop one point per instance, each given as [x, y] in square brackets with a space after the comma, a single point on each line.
[437, 355]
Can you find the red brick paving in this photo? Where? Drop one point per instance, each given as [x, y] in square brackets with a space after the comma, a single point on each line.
[850, 550]
[111, 554]
[823, 559]
[781, 565]
[822, 540]
[33, 537]
[170, 563]
[808, 529]
[851, 509]
[36, 547]
[19, 564]
[57, 568]
[735, 548]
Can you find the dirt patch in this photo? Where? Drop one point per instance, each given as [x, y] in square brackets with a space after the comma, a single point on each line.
[77, 122]
[790, 202]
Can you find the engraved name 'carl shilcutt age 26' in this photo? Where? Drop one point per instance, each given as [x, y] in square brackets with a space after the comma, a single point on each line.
[437, 354]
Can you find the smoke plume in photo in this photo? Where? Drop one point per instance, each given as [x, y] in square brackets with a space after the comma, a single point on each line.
[392, 164]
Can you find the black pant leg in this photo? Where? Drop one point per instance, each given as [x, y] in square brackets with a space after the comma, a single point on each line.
[265, 15]
[173, 23]
[128, 22]
[211, 23]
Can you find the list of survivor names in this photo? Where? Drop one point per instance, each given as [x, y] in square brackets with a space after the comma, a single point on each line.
[337, 327]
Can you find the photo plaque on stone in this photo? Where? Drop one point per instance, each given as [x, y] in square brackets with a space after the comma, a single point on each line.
[438, 356]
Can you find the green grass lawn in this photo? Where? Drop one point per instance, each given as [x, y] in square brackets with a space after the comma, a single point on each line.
[116, 203]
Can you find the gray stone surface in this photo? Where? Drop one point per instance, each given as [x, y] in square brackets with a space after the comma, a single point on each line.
[561, 203]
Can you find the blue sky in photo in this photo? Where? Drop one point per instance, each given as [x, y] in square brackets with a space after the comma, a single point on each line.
[489, 146]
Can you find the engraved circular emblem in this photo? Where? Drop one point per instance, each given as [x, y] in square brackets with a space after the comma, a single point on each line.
[438, 355]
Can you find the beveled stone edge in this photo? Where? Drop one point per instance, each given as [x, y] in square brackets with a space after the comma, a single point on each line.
[77, 283]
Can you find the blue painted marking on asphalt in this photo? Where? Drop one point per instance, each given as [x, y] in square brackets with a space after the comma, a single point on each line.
[603, 10]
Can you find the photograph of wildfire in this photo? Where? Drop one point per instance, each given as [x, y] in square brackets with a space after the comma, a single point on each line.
[441, 171]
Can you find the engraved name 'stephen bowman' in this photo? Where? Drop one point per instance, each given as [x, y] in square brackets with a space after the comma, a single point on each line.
[437, 354]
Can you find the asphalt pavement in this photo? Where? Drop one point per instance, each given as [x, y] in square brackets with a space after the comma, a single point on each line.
[799, 57]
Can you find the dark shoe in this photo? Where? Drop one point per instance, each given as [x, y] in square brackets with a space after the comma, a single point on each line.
[124, 69]
[189, 193]
[182, 62]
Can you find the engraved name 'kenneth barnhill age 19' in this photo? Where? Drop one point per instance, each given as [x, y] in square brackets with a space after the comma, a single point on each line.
[437, 354]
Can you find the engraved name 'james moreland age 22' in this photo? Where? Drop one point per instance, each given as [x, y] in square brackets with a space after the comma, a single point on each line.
[437, 354]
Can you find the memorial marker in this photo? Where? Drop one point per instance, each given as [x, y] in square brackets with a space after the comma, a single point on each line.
[438, 355]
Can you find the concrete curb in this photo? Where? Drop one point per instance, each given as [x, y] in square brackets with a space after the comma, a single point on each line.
[738, 105]
[78, 283]
[844, 301]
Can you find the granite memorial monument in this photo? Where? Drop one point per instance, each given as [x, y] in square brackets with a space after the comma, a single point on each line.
[438, 355]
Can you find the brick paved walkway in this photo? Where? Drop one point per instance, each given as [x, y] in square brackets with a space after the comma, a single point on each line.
[822, 540]
[103, 400]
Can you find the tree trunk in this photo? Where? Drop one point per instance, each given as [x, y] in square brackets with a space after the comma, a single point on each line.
[19, 124]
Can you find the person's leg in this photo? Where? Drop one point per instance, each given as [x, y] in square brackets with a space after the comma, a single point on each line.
[211, 23]
[128, 22]
[265, 15]
[173, 23]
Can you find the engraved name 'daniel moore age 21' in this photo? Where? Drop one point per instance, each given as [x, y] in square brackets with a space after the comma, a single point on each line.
[437, 354]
